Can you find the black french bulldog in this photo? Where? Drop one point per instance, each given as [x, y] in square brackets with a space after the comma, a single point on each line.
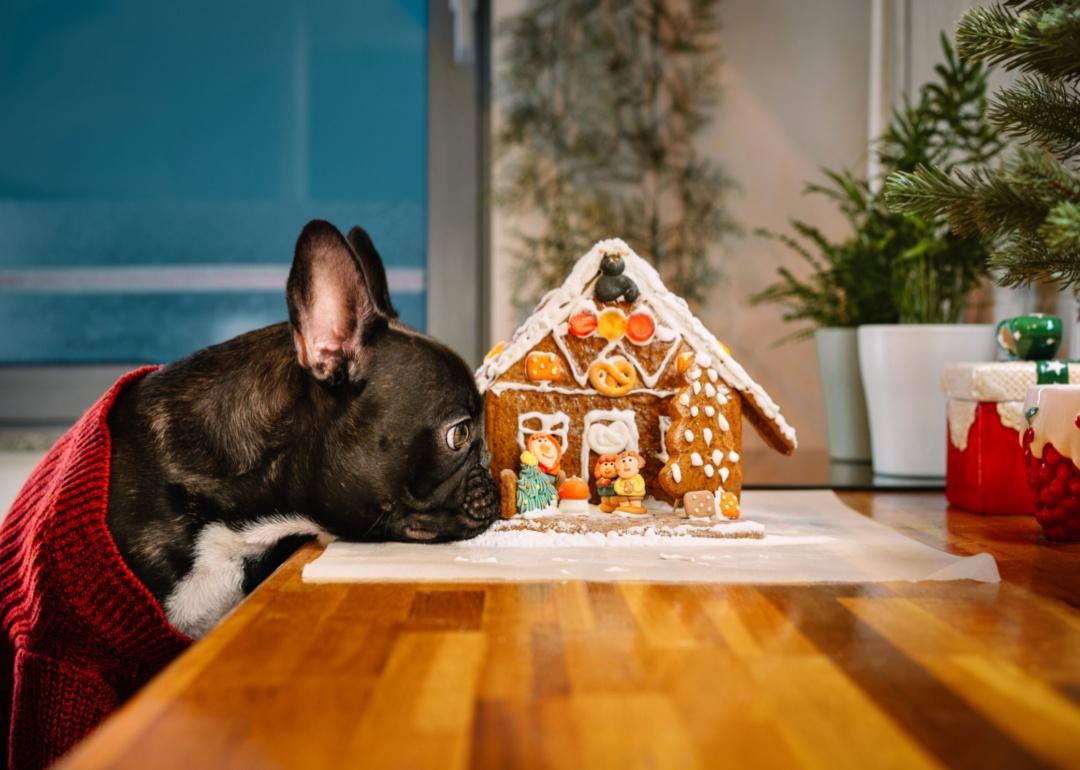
[342, 421]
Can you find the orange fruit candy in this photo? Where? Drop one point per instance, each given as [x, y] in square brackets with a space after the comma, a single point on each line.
[541, 366]
[729, 505]
[640, 328]
[574, 488]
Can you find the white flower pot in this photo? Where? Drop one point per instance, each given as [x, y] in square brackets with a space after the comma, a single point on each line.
[901, 370]
[842, 389]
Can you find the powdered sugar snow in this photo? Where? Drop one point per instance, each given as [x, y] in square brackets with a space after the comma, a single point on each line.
[811, 537]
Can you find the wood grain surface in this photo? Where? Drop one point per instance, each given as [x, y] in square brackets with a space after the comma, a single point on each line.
[596, 675]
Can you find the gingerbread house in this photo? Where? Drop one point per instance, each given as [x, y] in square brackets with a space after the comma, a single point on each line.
[613, 361]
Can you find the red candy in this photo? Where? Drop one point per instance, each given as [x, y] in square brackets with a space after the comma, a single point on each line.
[582, 323]
[1055, 482]
[640, 328]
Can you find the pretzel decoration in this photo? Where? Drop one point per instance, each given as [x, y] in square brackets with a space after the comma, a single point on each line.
[613, 377]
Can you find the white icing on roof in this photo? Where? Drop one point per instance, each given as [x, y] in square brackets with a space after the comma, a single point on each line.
[559, 304]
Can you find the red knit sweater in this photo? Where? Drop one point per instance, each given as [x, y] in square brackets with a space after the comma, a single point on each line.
[82, 632]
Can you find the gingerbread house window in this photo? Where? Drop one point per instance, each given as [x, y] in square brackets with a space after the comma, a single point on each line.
[556, 423]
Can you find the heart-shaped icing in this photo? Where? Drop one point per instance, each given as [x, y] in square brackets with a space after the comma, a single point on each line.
[608, 438]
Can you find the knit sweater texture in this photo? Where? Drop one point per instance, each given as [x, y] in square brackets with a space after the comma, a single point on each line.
[82, 633]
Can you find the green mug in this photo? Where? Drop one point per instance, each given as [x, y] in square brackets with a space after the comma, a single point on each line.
[1032, 337]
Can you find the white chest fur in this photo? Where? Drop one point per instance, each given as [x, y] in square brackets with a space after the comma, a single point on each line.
[215, 583]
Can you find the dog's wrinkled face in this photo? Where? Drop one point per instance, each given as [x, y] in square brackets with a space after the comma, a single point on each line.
[402, 455]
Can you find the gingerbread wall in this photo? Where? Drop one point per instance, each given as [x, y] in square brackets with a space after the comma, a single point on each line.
[504, 403]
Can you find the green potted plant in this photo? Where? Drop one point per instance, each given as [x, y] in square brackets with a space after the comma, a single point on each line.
[902, 279]
[848, 285]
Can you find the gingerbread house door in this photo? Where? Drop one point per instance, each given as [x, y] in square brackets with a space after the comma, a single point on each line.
[607, 431]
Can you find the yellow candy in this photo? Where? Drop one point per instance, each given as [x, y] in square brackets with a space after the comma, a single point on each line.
[499, 347]
[725, 348]
[611, 325]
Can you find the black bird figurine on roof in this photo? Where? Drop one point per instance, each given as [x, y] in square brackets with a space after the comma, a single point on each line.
[612, 284]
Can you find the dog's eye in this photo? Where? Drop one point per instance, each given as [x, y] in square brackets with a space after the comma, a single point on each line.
[459, 434]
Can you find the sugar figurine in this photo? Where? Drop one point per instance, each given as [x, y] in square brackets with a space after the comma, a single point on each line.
[540, 463]
[629, 486]
[535, 489]
[605, 472]
[574, 496]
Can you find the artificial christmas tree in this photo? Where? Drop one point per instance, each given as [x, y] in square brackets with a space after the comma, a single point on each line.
[1028, 208]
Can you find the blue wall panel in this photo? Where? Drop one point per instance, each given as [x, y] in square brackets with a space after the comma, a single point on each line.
[138, 134]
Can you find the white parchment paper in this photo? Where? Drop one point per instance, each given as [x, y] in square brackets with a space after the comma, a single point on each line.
[811, 537]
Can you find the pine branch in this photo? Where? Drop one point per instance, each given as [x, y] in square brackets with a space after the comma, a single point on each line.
[983, 202]
[1043, 111]
[1025, 259]
[1061, 231]
[1039, 37]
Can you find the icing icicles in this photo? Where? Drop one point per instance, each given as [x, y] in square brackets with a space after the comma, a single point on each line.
[672, 315]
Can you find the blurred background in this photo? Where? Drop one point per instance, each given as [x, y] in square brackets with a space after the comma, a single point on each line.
[158, 159]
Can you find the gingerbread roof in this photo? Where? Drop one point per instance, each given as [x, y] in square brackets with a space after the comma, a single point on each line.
[556, 307]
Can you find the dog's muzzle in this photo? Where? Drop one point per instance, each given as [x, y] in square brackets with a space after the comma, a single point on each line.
[478, 509]
[481, 496]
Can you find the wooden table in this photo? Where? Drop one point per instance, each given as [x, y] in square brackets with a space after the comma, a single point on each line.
[605, 675]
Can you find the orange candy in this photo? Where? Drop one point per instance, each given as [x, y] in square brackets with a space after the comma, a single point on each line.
[541, 366]
[640, 328]
[611, 325]
[729, 505]
[582, 323]
[574, 488]
[684, 361]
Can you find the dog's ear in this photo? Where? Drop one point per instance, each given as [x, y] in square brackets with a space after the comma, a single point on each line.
[374, 272]
[331, 308]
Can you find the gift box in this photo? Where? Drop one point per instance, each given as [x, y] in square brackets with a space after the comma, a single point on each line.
[985, 470]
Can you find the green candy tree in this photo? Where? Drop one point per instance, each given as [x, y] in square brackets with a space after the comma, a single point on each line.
[535, 490]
